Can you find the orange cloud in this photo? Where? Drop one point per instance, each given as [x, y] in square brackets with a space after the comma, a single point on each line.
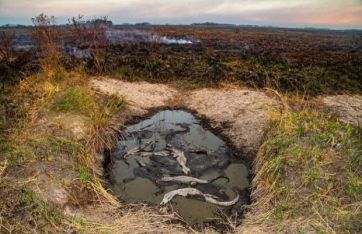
[351, 15]
[329, 15]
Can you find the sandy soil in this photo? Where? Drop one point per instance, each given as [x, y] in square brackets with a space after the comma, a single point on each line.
[241, 115]
[347, 108]
[140, 96]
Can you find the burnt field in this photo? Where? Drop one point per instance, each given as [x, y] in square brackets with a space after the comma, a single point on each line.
[306, 62]
[231, 129]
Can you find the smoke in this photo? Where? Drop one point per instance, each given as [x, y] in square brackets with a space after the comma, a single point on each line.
[135, 35]
[167, 40]
[114, 36]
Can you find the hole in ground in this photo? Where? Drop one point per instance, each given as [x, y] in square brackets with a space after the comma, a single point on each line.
[174, 153]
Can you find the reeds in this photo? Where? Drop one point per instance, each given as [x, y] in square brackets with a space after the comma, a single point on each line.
[47, 36]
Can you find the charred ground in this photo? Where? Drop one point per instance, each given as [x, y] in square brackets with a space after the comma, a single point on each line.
[260, 87]
[309, 62]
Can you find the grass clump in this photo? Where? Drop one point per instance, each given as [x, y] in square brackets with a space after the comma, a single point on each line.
[37, 207]
[76, 99]
[31, 148]
[309, 168]
[98, 110]
[103, 128]
[81, 100]
[22, 210]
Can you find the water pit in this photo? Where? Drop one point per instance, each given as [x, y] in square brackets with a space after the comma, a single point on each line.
[172, 151]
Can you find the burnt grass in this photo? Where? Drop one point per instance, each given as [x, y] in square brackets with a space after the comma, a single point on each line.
[305, 62]
[302, 62]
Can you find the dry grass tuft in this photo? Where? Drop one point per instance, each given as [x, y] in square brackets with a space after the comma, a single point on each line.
[102, 194]
[47, 36]
[137, 219]
[103, 125]
[3, 165]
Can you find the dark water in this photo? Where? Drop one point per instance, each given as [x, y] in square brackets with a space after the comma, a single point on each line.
[136, 178]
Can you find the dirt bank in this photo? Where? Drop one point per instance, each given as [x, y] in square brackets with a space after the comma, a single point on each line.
[241, 115]
[348, 108]
[141, 95]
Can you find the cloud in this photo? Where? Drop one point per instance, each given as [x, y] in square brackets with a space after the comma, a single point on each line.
[287, 12]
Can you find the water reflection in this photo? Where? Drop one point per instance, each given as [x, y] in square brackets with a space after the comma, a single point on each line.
[137, 177]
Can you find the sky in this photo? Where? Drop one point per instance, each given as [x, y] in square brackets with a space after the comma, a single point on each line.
[340, 14]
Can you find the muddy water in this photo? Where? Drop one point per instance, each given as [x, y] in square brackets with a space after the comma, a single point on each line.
[136, 177]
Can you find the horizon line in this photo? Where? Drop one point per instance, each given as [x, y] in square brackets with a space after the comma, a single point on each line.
[211, 23]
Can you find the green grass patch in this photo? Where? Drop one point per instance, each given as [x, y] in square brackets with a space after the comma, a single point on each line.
[39, 148]
[76, 99]
[85, 176]
[310, 166]
[59, 74]
[36, 206]
[107, 107]
[102, 133]
[81, 100]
